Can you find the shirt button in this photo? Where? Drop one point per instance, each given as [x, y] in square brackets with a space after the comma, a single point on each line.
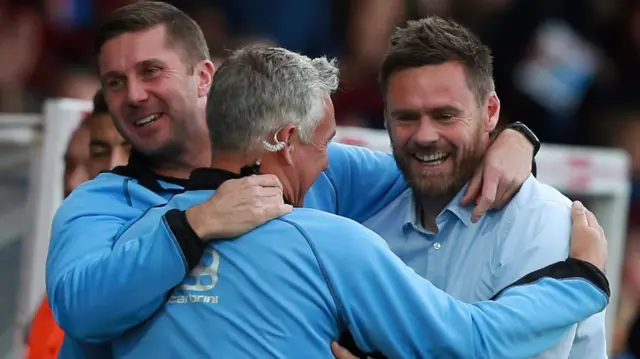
[436, 245]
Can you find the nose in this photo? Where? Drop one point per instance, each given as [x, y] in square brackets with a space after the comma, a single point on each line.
[136, 92]
[427, 132]
[119, 157]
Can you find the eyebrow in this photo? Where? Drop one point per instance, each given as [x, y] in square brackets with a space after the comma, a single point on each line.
[407, 111]
[143, 63]
[98, 143]
[401, 111]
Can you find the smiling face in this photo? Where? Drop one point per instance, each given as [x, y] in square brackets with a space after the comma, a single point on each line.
[299, 164]
[151, 92]
[107, 149]
[311, 159]
[438, 131]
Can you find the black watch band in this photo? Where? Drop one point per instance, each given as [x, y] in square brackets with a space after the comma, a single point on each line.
[527, 133]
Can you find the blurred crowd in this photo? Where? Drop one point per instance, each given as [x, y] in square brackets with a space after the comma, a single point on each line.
[566, 68]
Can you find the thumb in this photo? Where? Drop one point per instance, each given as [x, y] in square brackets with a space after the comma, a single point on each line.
[579, 214]
[341, 353]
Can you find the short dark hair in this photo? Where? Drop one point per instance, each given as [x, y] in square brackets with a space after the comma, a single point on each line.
[434, 41]
[144, 15]
[99, 104]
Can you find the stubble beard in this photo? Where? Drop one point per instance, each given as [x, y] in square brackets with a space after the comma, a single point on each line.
[441, 187]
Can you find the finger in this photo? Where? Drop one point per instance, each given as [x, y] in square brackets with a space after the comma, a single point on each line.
[473, 188]
[274, 211]
[266, 180]
[486, 199]
[340, 352]
[579, 214]
[505, 194]
[502, 199]
[592, 221]
[265, 192]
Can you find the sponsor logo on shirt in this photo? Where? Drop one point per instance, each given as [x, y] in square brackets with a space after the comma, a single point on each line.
[201, 279]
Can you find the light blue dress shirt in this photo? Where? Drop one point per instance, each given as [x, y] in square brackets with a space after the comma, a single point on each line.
[473, 261]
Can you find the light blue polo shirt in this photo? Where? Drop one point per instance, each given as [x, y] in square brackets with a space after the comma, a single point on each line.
[473, 261]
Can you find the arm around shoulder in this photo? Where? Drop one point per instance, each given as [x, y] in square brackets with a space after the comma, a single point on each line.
[98, 288]
[390, 309]
[365, 181]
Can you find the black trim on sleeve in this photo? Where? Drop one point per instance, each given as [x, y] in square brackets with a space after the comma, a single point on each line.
[191, 245]
[570, 268]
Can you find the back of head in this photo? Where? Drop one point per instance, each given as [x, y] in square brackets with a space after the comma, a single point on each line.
[181, 30]
[434, 41]
[258, 90]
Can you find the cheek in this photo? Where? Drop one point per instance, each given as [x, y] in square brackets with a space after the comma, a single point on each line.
[458, 136]
[116, 104]
[120, 158]
[399, 137]
[98, 164]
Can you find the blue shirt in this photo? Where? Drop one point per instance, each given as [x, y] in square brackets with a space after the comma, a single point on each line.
[473, 261]
[87, 293]
[98, 291]
[291, 286]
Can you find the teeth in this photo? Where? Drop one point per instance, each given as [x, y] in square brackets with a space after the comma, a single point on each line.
[432, 157]
[147, 120]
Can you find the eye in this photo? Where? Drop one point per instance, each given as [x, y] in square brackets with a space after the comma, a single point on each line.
[150, 72]
[114, 84]
[98, 152]
[445, 116]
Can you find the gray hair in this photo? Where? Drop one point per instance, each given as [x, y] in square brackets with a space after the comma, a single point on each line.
[258, 90]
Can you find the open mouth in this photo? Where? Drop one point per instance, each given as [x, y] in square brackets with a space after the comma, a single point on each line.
[148, 120]
[432, 159]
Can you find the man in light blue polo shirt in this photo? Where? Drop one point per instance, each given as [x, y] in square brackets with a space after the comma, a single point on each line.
[441, 107]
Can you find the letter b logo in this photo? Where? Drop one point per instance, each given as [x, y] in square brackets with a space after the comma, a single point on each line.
[204, 276]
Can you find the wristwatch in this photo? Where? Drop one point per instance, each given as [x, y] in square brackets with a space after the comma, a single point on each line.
[527, 133]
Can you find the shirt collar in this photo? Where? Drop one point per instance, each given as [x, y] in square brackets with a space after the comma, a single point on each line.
[463, 213]
[138, 168]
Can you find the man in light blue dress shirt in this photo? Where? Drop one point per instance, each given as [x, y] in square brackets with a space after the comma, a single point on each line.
[441, 107]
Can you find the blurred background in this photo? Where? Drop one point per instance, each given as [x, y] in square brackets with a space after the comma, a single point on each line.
[569, 69]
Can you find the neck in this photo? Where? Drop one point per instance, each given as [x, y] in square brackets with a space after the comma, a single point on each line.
[196, 154]
[429, 207]
[229, 162]
[235, 163]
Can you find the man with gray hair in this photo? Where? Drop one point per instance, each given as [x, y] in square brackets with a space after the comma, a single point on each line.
[293, 285]
[156, 73]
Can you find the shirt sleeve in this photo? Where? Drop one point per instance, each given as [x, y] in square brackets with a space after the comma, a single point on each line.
[388, 308]
[536, 234]
[365, 181]
[98, 289]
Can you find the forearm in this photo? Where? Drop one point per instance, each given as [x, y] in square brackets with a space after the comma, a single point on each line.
[103, 294]
[364, 181]
[526, 320]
